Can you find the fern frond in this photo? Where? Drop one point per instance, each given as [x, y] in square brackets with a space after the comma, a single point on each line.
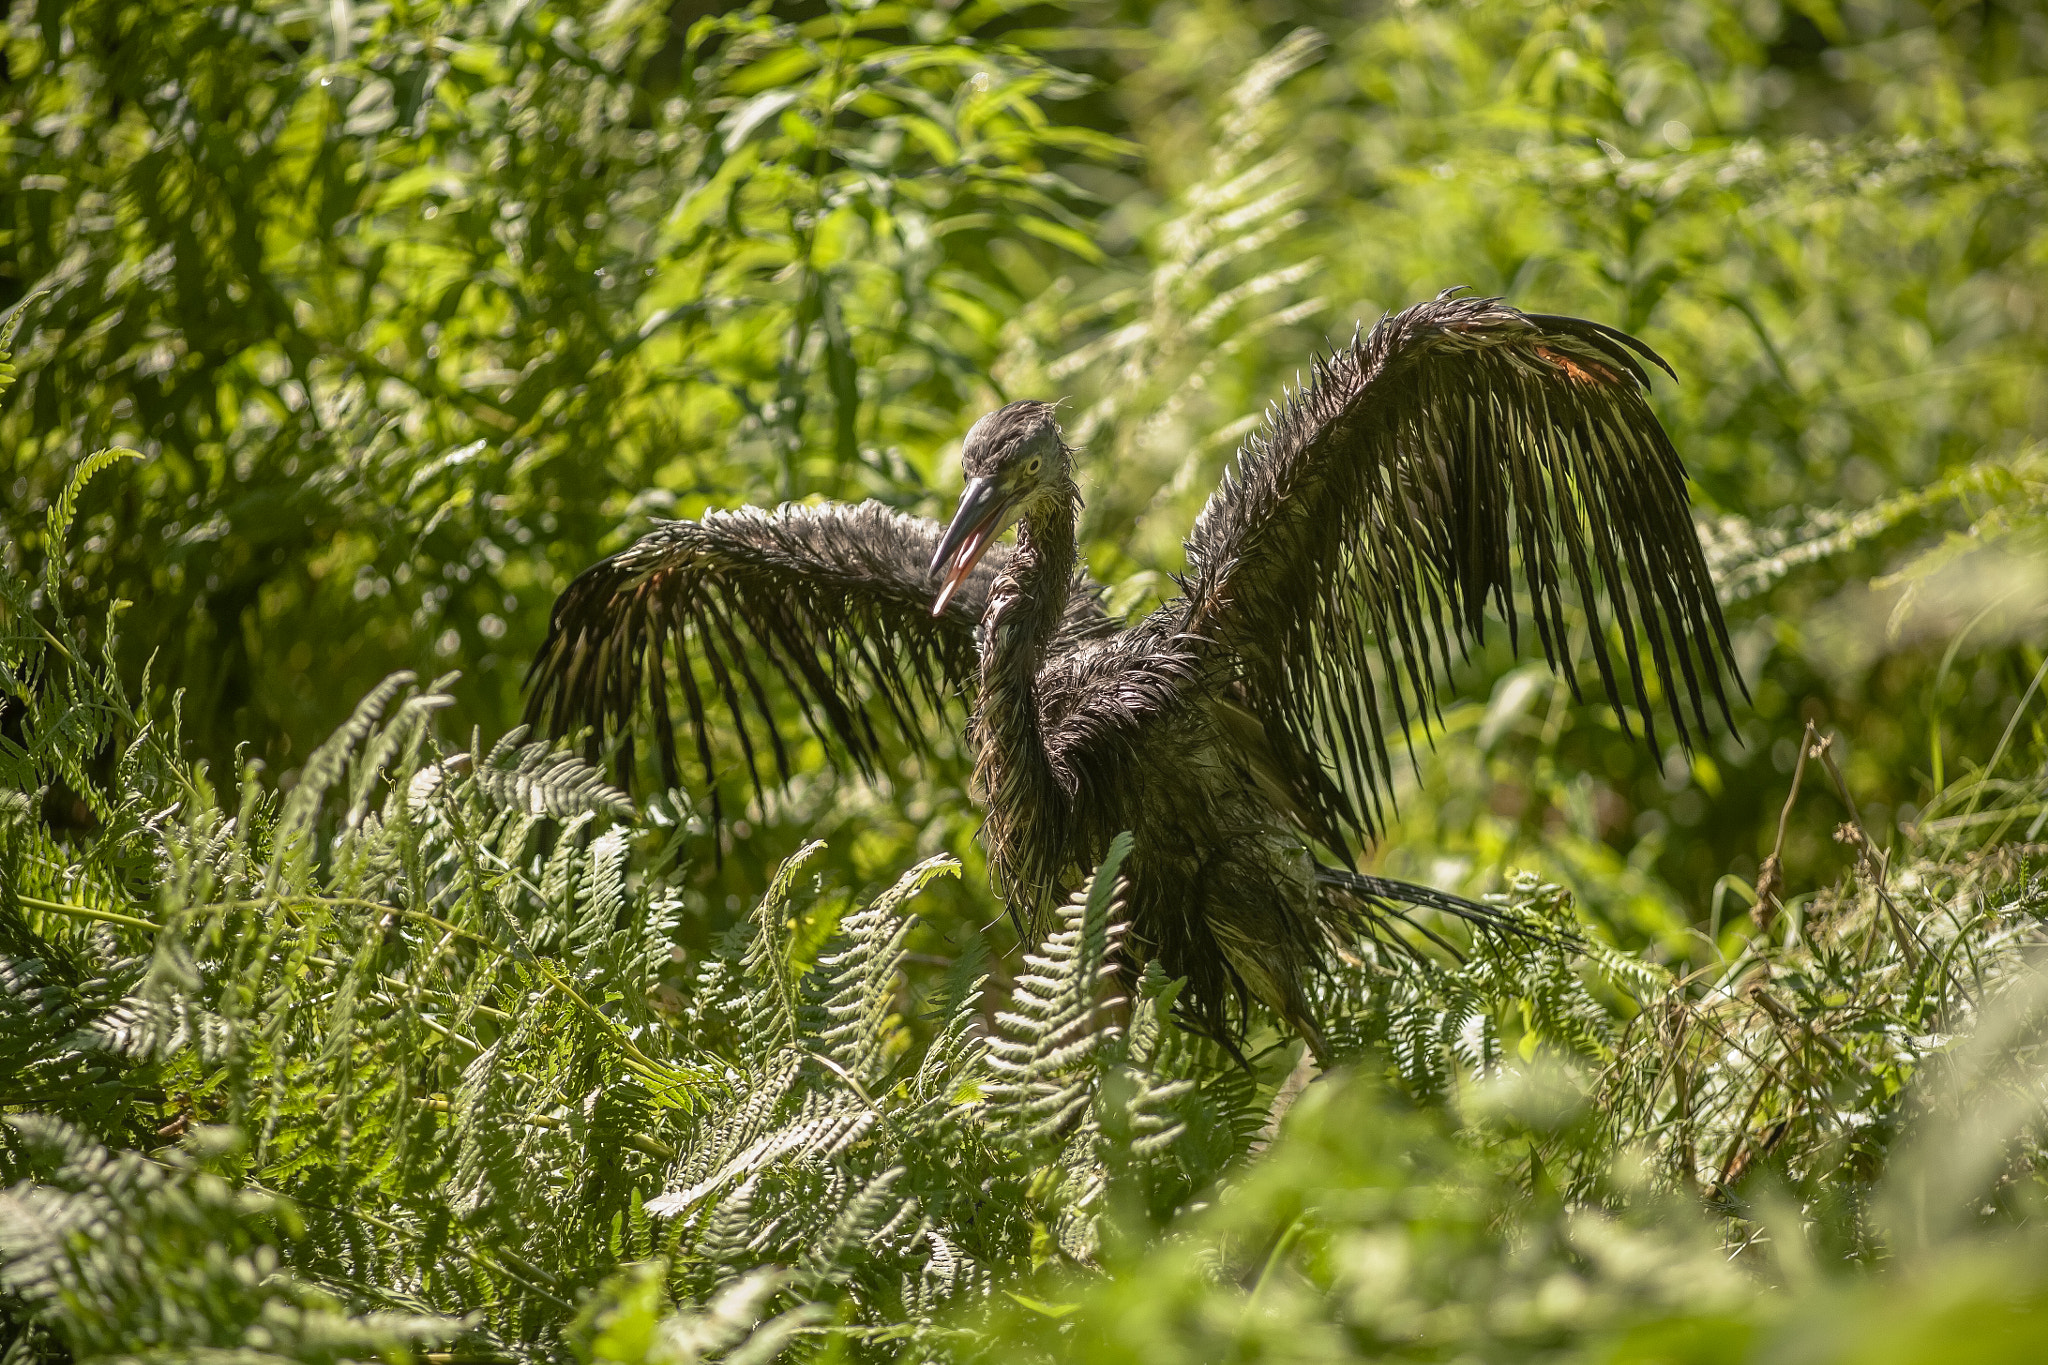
[774, 1018]
[57, 524]
[127, 1257]
[606, 899]
[536, 778]
[863, 1220]
[328, 763]
[1043, 1057]
[864, 973]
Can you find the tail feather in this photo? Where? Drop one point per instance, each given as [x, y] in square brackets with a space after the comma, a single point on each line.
[1385, 896]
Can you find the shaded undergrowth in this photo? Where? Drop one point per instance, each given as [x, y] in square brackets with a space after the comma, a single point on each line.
[405, 1058]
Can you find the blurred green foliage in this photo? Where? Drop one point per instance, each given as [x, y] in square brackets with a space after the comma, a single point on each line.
[413, 309]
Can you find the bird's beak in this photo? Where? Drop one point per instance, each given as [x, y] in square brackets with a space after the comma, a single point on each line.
[978, 520]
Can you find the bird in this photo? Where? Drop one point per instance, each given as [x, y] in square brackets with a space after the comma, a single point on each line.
[1243, 732]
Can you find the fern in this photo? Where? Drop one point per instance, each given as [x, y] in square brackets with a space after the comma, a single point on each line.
[429, 1039]
[327, 764]
[8, 331]
[1047, 1049]
[58, 522]
[419, 1062]
[630, 1320]
[539, 779]
[125, 1256]
[864, 975]
[1747, 558]
[390, 1060]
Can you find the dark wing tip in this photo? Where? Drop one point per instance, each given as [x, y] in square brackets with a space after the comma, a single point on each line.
[1611, 342]
[829, 604]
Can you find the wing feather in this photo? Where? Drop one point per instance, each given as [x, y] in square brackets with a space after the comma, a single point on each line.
[831, 602]
[1352, 551]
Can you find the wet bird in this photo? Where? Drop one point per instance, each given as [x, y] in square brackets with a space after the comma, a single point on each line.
[1241, 732]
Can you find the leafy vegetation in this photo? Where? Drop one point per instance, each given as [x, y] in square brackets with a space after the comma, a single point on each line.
[344, 1019]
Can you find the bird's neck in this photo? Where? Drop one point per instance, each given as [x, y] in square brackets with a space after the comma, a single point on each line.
[1027, 798]
[1029, 597]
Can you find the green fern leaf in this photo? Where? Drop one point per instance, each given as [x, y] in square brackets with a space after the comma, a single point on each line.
[65, 508]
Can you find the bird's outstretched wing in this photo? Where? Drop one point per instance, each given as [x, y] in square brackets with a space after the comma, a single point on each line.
[836, 601]
[1391, 497]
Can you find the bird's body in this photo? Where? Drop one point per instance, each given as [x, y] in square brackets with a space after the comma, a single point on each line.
[1238, 731]
[1073, 746]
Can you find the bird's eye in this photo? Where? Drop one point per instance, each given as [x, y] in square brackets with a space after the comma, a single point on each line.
[1031, 466]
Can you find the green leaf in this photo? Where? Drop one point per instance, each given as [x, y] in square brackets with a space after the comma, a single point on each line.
[58, 523]
[1060, 235]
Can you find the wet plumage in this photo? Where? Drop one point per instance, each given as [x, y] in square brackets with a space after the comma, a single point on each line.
[1244, 732]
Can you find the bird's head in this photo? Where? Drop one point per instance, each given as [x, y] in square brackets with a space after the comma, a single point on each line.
[1013, 458]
